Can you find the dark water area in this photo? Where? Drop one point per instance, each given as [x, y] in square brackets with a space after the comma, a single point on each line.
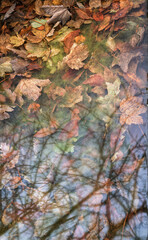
[73, 134]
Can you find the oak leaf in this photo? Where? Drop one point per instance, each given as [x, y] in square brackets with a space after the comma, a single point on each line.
[31, 88]
[76, 56]
[130, 109]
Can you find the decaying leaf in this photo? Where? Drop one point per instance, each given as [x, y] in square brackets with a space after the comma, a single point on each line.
[10, 11]
[95, 3]
[95, 80]
[5, 66]
[131, 108]
[3, 111]
[17, 40]
[58, 13]
[31, 88]
[76, 56]
[43, 132]
[72, 96]
[83, 14]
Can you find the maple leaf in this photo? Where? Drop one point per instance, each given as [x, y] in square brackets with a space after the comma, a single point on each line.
[131, 108]
[76, 56]
[31, 88]
[58, 13]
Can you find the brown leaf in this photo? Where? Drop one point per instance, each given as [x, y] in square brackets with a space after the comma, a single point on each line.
[69, 40]
[10, 11]
[19, 65]
[131, 108]
[76, 56]
[95, 80]
[121, 13]
[95, 3]
[82, 14]
[104, 23]
[4, 41]
[31, 88]
[72, 96]
[3, 111]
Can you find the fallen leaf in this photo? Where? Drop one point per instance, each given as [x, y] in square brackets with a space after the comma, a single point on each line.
[95, 80]
[3, 111]
[5, 66]
[34, 107]
[105, 4]
[4, 42]
[98, 16]
[43, 133]
[95, 3]
[69, 40]
[58, 13]
[130, 109]
[76, 56]
[125, 58]
[17, 40]
[82, 14]
[10, 11]
[37, 50]
[72, 96]
[54, 91]
[121, 13]
[34, 39]
[19, 65]
[104, 23]
[38, 5]
[31, 88]
[80, 39]
[21, 53]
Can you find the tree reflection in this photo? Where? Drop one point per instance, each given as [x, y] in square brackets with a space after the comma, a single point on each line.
[56, 187]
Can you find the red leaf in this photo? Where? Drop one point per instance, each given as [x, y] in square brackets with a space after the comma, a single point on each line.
[95, 80]
[98, 16]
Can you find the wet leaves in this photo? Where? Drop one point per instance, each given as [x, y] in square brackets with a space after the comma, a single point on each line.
[23, 88]
[131, 108]
[74, 59]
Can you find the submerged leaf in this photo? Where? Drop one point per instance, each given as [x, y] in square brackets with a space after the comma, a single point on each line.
[31, 88]
[76, 56]
[131, 108]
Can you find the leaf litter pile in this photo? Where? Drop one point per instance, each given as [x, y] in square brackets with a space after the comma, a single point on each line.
[73, 116]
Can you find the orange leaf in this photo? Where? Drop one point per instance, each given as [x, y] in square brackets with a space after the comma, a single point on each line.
[34, 107]
[98, 16]
[69, 40]
[43, 132]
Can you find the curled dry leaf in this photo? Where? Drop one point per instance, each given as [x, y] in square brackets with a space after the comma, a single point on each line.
[76, 56]
[10, 11]
[31, 88]
[131, 108]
